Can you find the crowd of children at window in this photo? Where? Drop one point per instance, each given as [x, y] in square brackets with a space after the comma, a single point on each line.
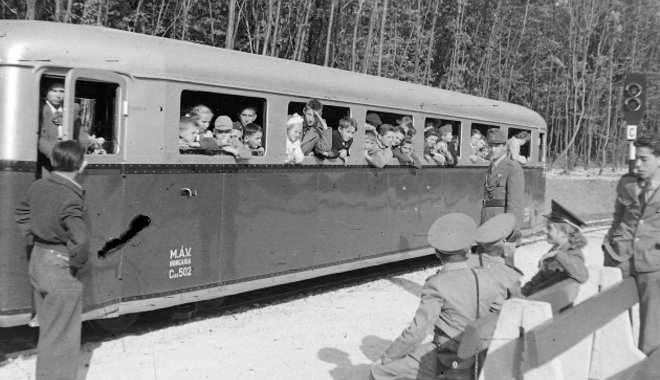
[309, 135]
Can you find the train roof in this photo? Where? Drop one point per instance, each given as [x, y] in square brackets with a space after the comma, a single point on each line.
[41, 43]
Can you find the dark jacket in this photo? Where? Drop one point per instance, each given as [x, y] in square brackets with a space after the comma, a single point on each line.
[53, 213]
[338, 144]
[568, 262]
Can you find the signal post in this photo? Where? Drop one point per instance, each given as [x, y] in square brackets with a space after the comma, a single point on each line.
[634, 105]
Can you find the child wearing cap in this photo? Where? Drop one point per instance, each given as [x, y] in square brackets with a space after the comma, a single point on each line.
[294, 154]
[451, 299]
[445, 146]
[430, 148]
[565, 259]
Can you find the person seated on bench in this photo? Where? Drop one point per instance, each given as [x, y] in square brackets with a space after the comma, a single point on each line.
[451, 299]
[492, 237]
[565, 259]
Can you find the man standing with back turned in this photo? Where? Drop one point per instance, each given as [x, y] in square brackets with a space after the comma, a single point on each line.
[633, 242]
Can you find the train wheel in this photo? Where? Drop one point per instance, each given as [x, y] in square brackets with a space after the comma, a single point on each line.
[115, 325]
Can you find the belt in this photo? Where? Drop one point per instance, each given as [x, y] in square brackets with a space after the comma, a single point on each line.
[50, 251]
[494, 202]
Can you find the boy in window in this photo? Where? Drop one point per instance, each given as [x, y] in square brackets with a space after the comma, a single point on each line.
[342, 139]
[246, 116]
[316, 137]
[446, 146]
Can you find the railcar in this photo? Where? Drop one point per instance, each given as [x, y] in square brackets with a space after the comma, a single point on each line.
[218, 226]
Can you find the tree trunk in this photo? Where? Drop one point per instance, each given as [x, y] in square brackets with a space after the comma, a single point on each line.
[356, 27]
[212, 22]
[382, 38]
[367, 50]
[329, 32]
[58, 11]
[429, 51]
[31, 11]
[69, 9]
[276, 32]
[269, 26]
[229, 36]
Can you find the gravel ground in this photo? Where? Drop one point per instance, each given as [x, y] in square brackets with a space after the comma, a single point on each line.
[334, 335]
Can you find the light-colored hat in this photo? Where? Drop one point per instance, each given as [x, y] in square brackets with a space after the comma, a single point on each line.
[295, 119]
[452, 233]
[496, 228]
[223, 123]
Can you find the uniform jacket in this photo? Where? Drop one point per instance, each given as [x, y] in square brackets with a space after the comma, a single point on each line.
[567, 263]
[505, 277]
[53, 213]
[506, 181]
[635, 230]
[315, 139]
[448, 304]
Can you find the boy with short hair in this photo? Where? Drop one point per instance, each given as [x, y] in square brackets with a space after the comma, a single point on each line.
[430, 151]
[252, 139]
[53, 219]
[406, 154]
[342, 139]
[188, 135]
[446, 146]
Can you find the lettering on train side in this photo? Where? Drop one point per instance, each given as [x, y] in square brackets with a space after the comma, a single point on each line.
[180, 262]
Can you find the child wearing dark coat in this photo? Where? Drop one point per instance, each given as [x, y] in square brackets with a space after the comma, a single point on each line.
[565, 259]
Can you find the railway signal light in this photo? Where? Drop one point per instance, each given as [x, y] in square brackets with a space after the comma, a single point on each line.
[634, 98]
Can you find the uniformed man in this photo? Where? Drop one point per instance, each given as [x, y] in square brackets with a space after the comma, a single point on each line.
[492, 238]
[505, 182]
[451, 299]
[633, 239]
[53, 218]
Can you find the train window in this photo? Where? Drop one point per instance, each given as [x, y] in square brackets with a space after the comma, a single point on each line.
[519, 149]
[331, 114]
[95, 116]
[483, 128]
[437, 124]
[231, 113]
[541, 150]
[406, 121]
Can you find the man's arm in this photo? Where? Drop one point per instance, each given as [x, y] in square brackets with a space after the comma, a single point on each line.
[73, 218]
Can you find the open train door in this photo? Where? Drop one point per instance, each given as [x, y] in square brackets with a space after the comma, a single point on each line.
[96, 111]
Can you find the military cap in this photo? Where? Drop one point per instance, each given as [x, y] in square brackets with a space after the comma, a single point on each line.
[431, 132]
[495, 136]
[374, 119]
[559, 214]
[496, 228]
[223, 123]
[452, 233]
[445, 129]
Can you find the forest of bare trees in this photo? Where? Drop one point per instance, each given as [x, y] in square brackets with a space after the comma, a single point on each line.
[565, 59]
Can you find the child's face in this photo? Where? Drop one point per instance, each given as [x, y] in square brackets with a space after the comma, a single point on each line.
[369, 143]
[346, 133]
[310, 118]
[254, 140]
[189, 134]
[222, 136]
[247, 116]
[204, 121]
[431, 140]
[555, 236]
[447, 136]
[406, 148]
[236, 135]
[397, 138]
[55, 95]
[474, 139]
[387, 138]
[294, 132]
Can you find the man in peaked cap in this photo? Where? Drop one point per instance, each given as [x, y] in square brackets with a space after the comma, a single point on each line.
[492, 239]
[505, 182]
[450, 300]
